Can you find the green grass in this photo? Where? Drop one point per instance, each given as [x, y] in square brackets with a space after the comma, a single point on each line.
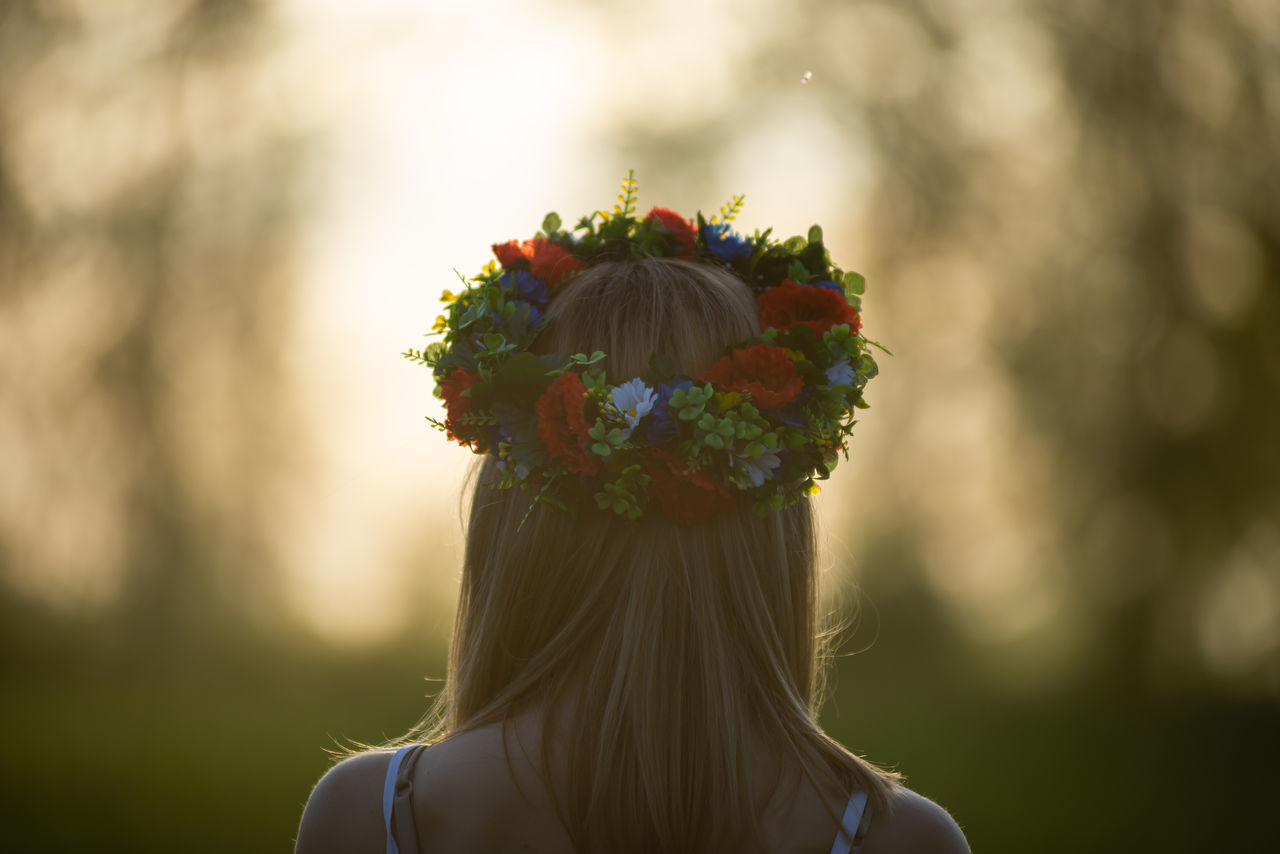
[221, 758]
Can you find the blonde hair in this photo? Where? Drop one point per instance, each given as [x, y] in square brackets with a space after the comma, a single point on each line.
[669, 651]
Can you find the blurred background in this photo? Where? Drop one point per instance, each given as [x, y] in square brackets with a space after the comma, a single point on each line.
[229, 541]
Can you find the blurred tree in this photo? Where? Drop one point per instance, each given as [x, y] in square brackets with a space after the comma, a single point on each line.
[147, 177]
[1179, 125]
[1072, 221]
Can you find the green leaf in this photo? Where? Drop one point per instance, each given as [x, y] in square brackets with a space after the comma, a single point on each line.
[815, 234]
[583, 359]
[794, 245]
[798, 273]
[854, 283]
[493, 341]
[551, 222]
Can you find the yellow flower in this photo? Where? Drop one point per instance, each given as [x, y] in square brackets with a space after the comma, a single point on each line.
[728, 399]
[449, 297]
[812, 489]
[440, 325]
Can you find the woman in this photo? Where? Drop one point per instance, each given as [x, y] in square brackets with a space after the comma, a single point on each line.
[641, 672]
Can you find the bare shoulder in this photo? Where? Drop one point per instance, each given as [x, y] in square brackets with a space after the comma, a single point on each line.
[914, 824]
[344, 812]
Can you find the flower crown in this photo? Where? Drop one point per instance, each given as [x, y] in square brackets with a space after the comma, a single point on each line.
[768, 419]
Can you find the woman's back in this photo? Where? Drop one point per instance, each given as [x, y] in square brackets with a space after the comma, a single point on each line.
[640, 566]
[474, 793]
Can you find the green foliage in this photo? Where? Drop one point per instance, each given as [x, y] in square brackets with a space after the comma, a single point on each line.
[794, 245]
[488, 330]
[689, 403]
[429, 355]
[798, 272]
[607, 439]
[625, 495]
[584, 360]
[715, 432]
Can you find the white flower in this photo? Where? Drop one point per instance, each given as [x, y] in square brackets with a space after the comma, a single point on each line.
[759, 470]
[841, 373]
[633, 400]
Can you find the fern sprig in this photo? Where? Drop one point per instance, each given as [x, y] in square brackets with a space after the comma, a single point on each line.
[729, 211]
[627, 196]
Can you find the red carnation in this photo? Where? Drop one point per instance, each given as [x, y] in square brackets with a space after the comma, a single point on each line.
[508, 254]
[818, 308]
[455, 404]
[681, 229]
[687, 498]
[550, 262]
[765, 371]
[562, 423]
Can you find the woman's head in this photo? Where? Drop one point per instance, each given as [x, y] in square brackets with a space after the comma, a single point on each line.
[684, 310]
[669, 648]
[541, 597]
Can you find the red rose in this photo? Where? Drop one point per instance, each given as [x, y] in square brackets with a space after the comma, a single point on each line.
[562, 423]
[508, 254]
[765, 371]
[681, 229]
[455, 404]
[686, 498]
[818, 308]
[550, 262]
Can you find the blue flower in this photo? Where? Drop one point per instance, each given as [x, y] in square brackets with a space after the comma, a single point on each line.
[841, 373]
[633, 400]
[791, 414]
[526, 286]
[756, 472]
[723, 243]
[535, 316]
[829, 285]
[662, 427]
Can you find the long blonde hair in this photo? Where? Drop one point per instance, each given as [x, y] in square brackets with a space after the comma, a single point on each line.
[670, 653]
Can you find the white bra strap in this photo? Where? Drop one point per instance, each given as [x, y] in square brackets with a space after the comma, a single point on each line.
[852, 818]
[389, 796]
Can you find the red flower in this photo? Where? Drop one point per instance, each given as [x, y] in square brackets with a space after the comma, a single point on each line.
[455, 405]
[818, 308]
[562, 423]
[687, 498]
[508, 254]
[681, 229]
[765, 371]
[548, 261]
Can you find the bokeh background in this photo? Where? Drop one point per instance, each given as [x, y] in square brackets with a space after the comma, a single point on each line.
[228, 541]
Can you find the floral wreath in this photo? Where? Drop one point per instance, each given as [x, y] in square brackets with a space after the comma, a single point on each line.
[767, 420]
